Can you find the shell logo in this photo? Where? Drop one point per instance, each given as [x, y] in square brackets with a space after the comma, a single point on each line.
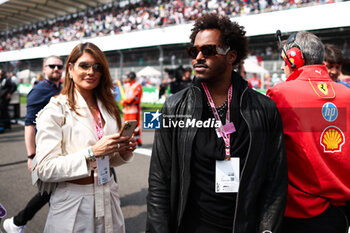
[332, 139]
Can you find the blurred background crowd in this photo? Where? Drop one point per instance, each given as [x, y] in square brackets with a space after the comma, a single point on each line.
[116, 17]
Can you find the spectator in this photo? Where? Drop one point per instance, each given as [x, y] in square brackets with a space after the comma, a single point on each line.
[187, 77]
[163, 88]
[344, 77]
[14, 79]
[15, 98]
[333, 60]
[39, 77]
[7, 87]
[314, 111]
[178, 79]
[243, 73]
[255, 81]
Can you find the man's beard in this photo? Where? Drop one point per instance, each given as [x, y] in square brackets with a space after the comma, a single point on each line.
[201, 79]
[54, 79]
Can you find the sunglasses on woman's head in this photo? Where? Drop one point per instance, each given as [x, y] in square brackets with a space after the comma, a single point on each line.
[86, 66]
[207, 51]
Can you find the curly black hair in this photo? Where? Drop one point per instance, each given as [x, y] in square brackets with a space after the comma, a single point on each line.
[232, 34]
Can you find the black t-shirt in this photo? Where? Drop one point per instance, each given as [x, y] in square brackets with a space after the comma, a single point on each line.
[206, 210]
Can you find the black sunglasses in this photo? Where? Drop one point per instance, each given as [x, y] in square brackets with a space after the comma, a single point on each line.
[52, 66]
[86, 66]
[207, 51]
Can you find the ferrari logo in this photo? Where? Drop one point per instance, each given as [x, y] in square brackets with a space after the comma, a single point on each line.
[323, 88]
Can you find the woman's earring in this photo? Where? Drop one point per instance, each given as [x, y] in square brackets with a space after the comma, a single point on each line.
[70, 76]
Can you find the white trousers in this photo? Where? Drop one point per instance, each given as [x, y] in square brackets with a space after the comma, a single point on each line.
[72, 209]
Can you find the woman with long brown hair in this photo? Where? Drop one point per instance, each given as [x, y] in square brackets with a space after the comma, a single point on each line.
[77, 144]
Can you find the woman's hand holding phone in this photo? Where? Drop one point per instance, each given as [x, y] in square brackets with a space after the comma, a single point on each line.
[122, 143]
[107, 145]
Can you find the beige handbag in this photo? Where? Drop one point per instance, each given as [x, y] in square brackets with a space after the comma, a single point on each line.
[48, 187]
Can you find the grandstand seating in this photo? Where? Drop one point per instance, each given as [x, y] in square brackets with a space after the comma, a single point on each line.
[112, 19]
[172, 34]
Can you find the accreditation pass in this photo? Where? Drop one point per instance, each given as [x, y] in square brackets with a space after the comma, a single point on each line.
[227, 176]
[103, 174]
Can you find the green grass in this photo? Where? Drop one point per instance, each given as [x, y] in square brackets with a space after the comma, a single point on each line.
[151, 107]
[23, 99]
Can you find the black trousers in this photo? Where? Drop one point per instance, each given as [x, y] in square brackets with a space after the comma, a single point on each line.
[332, 220]
[33, 206]
[4, 114]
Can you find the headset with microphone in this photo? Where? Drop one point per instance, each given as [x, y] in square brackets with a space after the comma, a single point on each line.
[293, 57]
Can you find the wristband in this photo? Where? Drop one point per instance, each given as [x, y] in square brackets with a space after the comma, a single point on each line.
[91, 157]
[31, 156]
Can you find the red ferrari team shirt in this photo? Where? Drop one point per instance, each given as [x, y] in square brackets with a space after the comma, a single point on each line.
[316, 114]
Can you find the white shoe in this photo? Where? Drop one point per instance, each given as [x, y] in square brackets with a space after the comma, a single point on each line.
[10, 227]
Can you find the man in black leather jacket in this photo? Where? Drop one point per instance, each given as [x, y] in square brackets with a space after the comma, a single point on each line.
[185, 194]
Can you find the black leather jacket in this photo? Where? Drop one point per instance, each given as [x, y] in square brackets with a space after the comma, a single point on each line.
[262, 192]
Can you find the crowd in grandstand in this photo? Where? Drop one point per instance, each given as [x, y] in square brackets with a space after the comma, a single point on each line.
[114, 18]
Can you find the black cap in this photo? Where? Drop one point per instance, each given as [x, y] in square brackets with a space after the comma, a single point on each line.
[131, 75]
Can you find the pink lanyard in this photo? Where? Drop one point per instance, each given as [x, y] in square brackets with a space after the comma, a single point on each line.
[99, 126]
[225, 136]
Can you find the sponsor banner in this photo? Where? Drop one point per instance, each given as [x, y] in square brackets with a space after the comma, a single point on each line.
[24, 88]
[150, 95]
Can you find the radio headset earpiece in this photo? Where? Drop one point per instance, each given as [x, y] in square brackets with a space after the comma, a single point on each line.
[294, 57]
[294, 53]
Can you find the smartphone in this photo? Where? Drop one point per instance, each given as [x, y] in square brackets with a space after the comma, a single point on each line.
[128, 128]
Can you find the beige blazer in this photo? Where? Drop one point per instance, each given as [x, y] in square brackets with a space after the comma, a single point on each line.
[63, 138]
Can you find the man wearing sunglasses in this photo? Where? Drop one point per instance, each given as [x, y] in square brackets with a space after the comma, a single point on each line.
[37, 99]
[231, 178]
